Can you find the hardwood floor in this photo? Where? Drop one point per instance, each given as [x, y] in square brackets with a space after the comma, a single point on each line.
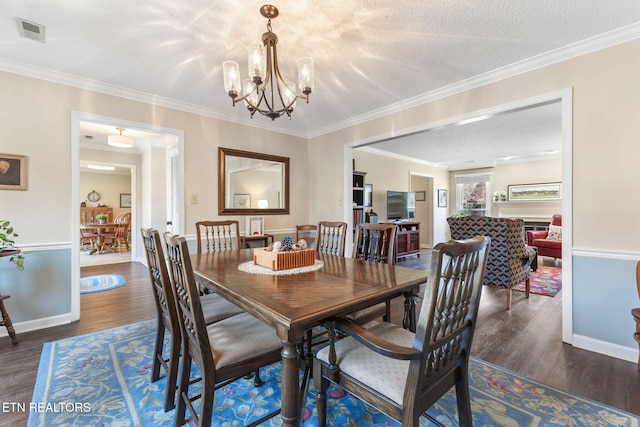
[525, 339]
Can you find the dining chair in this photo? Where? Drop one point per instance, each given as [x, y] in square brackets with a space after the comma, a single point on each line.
[308, 233]
[331, 238]
[218, 236]
[120, 238]
[214, 308]
[88, 238]
[403, 373]
[374, 243]
[223, 351]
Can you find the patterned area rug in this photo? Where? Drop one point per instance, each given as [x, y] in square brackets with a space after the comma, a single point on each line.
[545, 281]
[104, 379]
[102, 282]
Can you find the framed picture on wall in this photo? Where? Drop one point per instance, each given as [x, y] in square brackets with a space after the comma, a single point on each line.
[421, 196]
[442, 198]
[125, 200]
[242, 201]
[13, 172]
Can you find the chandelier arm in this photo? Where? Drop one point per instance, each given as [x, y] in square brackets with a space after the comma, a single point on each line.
[280, 79]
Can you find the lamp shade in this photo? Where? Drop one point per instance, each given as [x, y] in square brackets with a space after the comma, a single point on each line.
[306, 77]
[263, 204]
[120, 141]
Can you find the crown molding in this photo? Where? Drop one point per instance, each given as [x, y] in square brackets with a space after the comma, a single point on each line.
[612, 38]
[593, 44]
[118, 91]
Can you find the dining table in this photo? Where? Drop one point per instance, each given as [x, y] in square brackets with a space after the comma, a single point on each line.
[294, 303]
[101, 229]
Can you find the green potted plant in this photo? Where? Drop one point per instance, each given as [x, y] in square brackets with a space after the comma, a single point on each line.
[101, 218]
[7, 242]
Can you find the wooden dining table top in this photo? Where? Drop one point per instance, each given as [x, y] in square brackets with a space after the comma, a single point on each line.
[294, 302]
[97, 224]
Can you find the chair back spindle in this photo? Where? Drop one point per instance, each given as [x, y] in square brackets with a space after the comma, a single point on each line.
[331, 238]
[218, 236]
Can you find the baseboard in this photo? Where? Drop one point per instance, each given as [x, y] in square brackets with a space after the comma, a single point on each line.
[33, 325]
[608, 349]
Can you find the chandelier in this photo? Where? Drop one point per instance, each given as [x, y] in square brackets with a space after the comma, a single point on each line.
[266, 91]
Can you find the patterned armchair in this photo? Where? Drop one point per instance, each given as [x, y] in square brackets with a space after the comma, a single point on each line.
[509, 258]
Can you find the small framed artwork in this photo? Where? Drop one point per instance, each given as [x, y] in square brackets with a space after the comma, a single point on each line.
[13, 172]
[242, 201]
[547, 191]
[255, 226]
[125, 200]
[442, 198]
[421, 196]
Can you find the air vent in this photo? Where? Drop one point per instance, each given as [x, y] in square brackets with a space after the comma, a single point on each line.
[31, 30]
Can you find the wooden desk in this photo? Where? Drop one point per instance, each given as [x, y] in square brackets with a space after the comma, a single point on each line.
[100, 231]
[264, 237]
[295, 303]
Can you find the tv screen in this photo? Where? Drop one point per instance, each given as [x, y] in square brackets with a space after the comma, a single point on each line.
[401, 205]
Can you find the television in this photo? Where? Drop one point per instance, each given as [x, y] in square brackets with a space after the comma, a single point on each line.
[401, 205]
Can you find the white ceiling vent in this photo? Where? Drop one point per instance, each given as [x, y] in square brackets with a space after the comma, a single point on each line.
[31, 30]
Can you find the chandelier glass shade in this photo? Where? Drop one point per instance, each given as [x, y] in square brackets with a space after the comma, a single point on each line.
[121, 140]
[266, 90]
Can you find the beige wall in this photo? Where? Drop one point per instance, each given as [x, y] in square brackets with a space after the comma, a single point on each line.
[36, 122]
[109, 186]
[35, 117]
[606, 128]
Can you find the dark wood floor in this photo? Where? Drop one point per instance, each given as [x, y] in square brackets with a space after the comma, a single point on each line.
[525, 339]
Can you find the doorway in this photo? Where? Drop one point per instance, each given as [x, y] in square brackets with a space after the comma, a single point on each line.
[423, 186]
[564, 98]
[148, 168]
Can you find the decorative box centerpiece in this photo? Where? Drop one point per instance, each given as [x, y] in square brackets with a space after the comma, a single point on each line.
[284, 255]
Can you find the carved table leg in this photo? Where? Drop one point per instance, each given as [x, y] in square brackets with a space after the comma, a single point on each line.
[6, 320]
[290, 366]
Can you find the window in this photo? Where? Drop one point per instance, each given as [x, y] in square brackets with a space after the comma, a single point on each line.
[471, 194]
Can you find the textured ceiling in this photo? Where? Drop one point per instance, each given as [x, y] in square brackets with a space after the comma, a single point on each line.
[370, 56]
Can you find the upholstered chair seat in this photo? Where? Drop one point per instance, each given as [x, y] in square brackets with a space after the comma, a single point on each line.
[378, 372]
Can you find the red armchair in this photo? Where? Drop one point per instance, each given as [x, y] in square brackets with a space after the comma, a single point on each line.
[551, 247]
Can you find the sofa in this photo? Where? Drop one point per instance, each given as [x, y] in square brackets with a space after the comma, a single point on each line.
[548, 242]
[509, 262]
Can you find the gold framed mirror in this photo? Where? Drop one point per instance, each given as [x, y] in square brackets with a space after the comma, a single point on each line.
[252, 183]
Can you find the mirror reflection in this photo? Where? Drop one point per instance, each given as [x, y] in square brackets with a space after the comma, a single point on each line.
[252, 183]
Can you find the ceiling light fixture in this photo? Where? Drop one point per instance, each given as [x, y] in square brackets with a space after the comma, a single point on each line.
[101, 167]
[266, 91]
[120, 140]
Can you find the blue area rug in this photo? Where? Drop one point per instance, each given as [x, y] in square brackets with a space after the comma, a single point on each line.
[103, 379]
[102, 282]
